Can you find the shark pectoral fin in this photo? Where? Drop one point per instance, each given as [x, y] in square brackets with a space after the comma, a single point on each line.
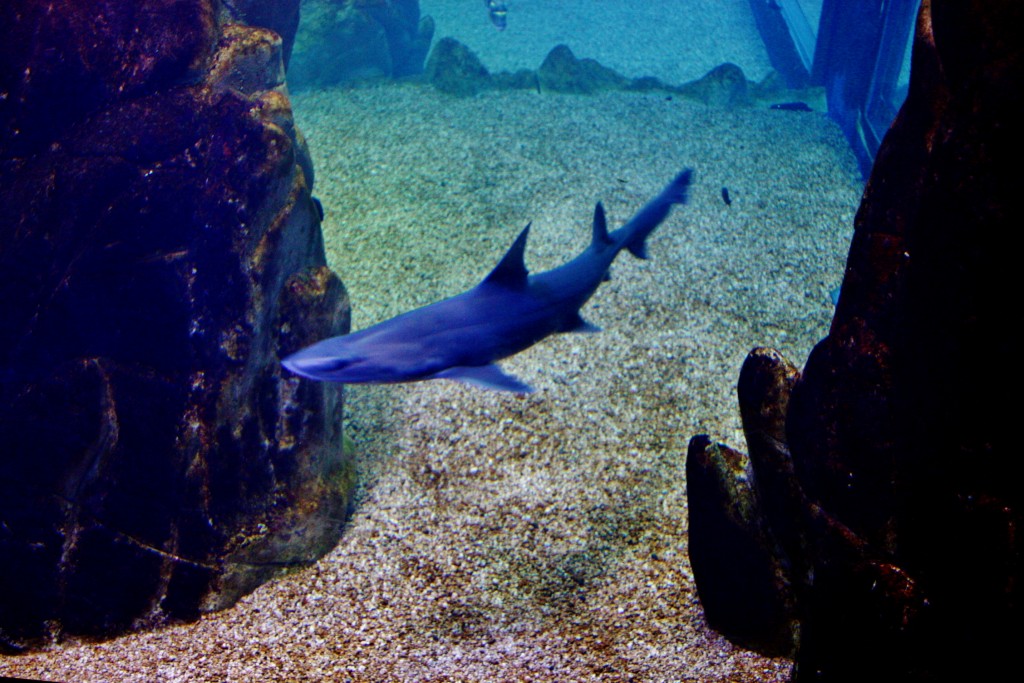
[578, 324]
[486, 377]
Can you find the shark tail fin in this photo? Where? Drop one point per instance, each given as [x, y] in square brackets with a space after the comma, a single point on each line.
[654, 212]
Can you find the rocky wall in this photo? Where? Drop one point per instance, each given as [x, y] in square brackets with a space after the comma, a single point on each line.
[159, 252]
[884, 480]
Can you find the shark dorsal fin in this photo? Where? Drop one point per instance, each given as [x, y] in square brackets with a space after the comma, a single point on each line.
[511, 270]
[600, 227]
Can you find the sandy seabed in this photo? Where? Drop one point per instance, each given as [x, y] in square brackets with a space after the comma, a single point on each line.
[543, 537]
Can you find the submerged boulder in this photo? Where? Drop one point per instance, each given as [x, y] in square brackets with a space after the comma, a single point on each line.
[741, 580]
[342, 41]
[888, 471]
[724, 86]
[455, 69]
[159, 252]
[562, 71]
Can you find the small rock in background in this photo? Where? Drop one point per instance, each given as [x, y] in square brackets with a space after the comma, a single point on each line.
[561, 71]
[341, 41]
[455, 69]
[724, 86]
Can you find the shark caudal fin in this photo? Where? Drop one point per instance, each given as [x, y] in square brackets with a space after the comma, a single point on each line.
[634, 233]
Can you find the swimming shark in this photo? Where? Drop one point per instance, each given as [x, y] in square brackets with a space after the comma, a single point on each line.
[462, 337]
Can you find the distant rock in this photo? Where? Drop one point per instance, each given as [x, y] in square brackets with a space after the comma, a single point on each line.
[455, 69]
[724, 86]
[349, 40]
[159, 253]
[649, 84]
[523, 79]
[562, 72]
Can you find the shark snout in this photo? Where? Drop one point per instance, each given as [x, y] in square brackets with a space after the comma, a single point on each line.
[317, 367]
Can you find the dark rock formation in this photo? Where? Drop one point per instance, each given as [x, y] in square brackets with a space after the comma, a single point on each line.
[742, 583]
[561, 71]
[408, 34]
[724, 86]
[888, 472]
[280, 16]
[523, 79]
[159, 251]
[348, 40]
[455, 69]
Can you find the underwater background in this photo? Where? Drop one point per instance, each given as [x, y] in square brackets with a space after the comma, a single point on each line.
[540, 537]
[675, 40]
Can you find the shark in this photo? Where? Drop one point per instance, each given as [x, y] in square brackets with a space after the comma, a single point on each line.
[462, 338]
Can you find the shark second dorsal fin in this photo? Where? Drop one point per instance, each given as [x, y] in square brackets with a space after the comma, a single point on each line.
[600, 237]
[511, 270]
[576, 323]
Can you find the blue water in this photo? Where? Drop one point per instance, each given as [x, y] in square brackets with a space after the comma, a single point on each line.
[675, 40]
